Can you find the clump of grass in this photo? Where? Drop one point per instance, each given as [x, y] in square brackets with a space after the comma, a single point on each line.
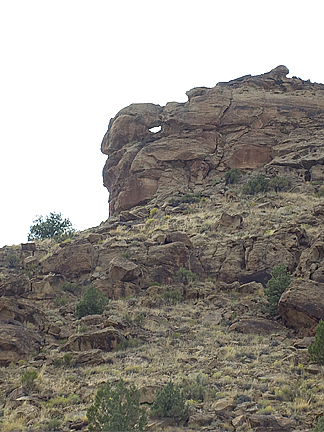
[172, 297]
[128, 343]
[63, 401]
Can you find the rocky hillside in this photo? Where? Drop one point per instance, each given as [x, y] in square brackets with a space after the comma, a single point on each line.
[202, 211]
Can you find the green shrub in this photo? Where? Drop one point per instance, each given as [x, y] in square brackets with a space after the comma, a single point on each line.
[256, 185]
[28, 380]
[279, 184]
[170, 402]
[93, 302]
[320, 192]
[52, 226]
[63, 401]
[117, 409]
[316, 350]
[188, 198]
[320, 425]
[278, 283]
[70, 287]
[61, 301]
[185, 276]
[232, 176]
[128, 343]
[13, 260]
[54, 424]
[173, 297]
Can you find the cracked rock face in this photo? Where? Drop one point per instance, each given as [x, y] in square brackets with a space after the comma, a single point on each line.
[267, 121]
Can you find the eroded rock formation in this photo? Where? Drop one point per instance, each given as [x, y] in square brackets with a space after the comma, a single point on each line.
[268, 121]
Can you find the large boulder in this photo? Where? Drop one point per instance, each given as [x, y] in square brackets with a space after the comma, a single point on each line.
[70, 259]
[122, 269]
[15, 285]
[301, 306]
[105, 340]
[21, 329]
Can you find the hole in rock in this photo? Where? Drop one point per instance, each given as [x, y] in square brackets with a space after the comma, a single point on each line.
[155, 129]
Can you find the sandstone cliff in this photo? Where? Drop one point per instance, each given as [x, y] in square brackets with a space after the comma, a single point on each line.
[267, 121]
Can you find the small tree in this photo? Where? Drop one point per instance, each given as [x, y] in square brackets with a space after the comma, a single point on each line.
[185, 276]
[117, 409]
[52, 226]
[279, 183]
[93, 302]
[256, 185]
[232, 176]
[316, 350]
[170, 402]
[278, 283]
[28, 380]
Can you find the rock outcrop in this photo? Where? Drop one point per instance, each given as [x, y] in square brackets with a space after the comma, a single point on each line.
[268, 121]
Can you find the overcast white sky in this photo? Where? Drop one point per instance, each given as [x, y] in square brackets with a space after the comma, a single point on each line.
[68, 66]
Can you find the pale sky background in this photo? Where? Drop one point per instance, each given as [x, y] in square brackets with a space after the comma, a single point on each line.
[68, 66]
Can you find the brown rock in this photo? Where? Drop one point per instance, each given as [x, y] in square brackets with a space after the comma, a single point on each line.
[260, 326]
[92, 320]
[15, 285]
[121, 269]
[30, 262]
[90, 358]
[30, 247]
[17, 342]
[54, 330]
[222, 405]
[319, 210]
[178, 236]
[105, 340]
[70, 260]
[239, 420]
[266, 423]
[200, 419]
[301, 306]
[115, 290]
[21, 311]
[227, 220]
[45, 287]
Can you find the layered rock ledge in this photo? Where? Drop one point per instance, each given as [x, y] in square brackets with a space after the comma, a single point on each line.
[267, 121]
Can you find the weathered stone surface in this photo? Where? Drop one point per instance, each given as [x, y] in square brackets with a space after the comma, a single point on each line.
[266, 423]
[21, 311]
[17, 342]
[200, 419]
[311, 263]
[46, 287]
[15, 285]
[115, 290]
[70, 260]
[91, 357]
[260, 326]
[301, 306]
[254, 121]
[222, 405]
[233, 221]
[178, 236]
[30, 247]
[122, 269]
[105, 340]
[30, 262]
